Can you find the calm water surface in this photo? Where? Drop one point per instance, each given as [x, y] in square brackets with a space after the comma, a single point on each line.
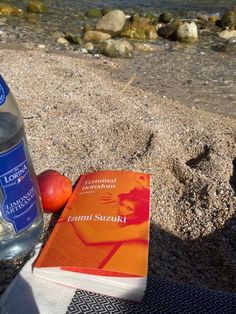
[201, 5]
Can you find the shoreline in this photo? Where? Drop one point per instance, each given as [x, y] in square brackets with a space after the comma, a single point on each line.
[176, 74]
[79, 118]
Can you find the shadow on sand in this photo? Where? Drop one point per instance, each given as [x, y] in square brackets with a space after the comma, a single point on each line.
[208, 262]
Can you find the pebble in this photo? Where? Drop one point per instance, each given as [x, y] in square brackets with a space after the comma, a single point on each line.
[148, 47]
[85, 51]
[40, 46]
[89, 46]
[62, 41]
[227, 34]
[198, 212]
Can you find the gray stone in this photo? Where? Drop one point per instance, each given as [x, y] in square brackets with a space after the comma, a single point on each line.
[232, 40]
[117, 48]
[96, 36]
[111, 23]
[148, 47]
[227, 34]
[230, 45]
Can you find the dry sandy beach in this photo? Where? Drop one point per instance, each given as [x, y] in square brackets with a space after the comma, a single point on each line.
[79, 120]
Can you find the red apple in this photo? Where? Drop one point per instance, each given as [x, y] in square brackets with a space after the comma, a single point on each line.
[55, 190]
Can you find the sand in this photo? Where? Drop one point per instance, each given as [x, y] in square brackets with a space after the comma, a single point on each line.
[79, 120]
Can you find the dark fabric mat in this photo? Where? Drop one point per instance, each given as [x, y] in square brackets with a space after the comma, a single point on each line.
[162, 296]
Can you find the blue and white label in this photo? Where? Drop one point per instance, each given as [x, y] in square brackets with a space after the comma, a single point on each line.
[18, 203]
[4, 90]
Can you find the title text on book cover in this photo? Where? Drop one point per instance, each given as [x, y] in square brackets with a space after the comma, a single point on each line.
[99, 184]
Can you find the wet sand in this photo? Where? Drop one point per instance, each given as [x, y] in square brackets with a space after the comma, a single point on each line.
[197, 76]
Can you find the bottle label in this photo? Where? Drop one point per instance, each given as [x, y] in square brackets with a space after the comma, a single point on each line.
[18, 203]
[4, 90]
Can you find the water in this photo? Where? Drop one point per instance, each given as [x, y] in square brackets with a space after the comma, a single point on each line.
[65, 15]
[69, 16]
[210, 6]
[19, 201]
[83, 5]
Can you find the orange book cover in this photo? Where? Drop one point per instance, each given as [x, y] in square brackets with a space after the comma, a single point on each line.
[104, 228]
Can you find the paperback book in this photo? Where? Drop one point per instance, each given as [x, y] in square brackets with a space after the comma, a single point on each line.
[100, 242]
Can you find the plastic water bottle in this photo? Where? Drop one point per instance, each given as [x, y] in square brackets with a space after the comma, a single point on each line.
[21, 216]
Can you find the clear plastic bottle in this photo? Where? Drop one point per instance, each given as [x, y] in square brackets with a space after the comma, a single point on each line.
[21, 218]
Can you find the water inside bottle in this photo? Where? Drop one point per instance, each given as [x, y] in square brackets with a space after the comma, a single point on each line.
[10, 130]
[10, 134]
[11, 244]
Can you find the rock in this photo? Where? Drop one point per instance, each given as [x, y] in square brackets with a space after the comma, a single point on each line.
[165, 17]
[232, 40]
[6, 9]
[87, 27]
[96, 36]
[229, 45]
[116, 48]
[112, 22]
[227, 34]
[140, 29]
[83, 50]
[147, 47]
[94, 13]
[198, 212]
[41, 47]
[73, 38]
[228, 20]
[62, 41]
[36, 6]
[169, 30]
[89, 46]
[187, 33]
